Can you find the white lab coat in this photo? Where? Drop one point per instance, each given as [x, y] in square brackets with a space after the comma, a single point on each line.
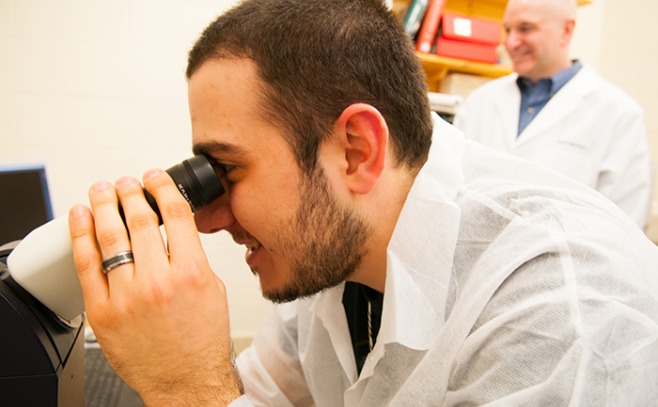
[498, 290]
[590, 131]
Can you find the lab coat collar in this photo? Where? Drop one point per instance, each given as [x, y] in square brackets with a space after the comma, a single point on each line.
[502, 103]
[563, 103]
[418, 269]
[560, 105]
[325, 306]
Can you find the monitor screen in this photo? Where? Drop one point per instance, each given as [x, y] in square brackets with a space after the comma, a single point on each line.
[24, 201]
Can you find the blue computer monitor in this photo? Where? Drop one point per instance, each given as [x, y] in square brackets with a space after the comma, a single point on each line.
[24, 201]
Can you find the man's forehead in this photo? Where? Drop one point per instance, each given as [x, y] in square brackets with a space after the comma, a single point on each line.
[223, 93]
[225, 74]
[537, 11]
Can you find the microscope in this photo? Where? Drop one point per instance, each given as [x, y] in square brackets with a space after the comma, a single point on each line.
[41, 305]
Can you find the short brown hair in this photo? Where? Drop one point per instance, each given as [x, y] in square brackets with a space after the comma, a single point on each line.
[316, 57]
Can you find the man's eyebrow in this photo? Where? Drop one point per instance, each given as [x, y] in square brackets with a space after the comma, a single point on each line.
[213, 148]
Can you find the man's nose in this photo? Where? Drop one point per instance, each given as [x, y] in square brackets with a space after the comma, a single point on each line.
[215, 217]
[512, 39]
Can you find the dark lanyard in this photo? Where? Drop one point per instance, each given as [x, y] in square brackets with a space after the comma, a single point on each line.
[363, 309]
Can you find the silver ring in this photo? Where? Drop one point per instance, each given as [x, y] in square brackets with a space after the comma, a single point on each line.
[117, 260]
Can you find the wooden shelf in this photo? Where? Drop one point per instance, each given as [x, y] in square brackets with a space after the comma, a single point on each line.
[493, 9]
[437, 67]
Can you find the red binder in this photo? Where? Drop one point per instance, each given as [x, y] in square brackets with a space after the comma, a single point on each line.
[471, 29]
[430, 26]
[466, 50]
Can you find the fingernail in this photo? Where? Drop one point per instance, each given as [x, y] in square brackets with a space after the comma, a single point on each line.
[125, 181]
[77, 210]
[101, 185]
[152, 173]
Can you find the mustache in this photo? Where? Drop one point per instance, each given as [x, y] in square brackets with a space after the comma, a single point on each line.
[241, 236]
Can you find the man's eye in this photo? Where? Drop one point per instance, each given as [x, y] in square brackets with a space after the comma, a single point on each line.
[525, 28]
[223, 170]
[220, 168]
[227, 168]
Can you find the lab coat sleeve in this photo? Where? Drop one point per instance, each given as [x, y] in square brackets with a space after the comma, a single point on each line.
[270, 369]
[536, 344]
[241, 401]
[477, 114]
[478, 119]
[625, 175]
[461, 117]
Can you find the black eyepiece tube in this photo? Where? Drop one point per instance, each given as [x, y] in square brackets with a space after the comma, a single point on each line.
[195, 179]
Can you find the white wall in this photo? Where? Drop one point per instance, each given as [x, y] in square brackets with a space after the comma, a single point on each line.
[96, 89]
[586, 44]
[617, 37]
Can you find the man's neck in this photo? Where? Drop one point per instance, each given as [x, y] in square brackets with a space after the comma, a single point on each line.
[549, 73]
[388, 200]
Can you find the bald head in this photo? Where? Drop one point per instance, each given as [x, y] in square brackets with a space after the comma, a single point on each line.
[563, 9]
[538, 35]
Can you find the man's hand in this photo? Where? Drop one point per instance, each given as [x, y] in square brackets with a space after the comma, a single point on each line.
[162, 321]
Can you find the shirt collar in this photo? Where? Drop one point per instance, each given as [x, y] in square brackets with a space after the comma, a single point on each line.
[555, 82]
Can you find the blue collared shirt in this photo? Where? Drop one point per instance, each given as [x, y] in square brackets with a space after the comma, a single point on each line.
[535, 96]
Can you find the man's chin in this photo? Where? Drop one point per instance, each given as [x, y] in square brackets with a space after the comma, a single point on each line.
[280, 296]
[522, 67]
[289, 293]
[277, 293]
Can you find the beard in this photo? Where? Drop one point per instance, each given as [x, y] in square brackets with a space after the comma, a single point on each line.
[326, 238]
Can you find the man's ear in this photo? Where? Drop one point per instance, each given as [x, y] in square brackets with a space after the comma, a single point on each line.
[569, 26]
[364, 140]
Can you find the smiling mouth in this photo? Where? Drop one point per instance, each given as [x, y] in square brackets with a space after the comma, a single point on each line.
[518, 54]
[252, 247]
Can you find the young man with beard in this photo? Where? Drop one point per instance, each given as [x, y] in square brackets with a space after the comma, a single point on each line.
[557, 112]
[411, 268]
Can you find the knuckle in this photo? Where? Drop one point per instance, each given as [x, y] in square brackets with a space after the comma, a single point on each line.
[141, 221]
[86, 263]
[160, 293]
[196, 275]
[110, 238]
[177, 210]
[78, 232]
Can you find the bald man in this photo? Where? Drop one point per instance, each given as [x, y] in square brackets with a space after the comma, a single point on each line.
[559, 113]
